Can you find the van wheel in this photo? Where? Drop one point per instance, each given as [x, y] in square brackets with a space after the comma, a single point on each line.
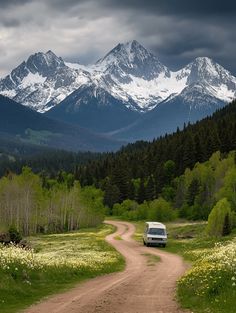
[163, 245]
[144, 243]
[147, 244]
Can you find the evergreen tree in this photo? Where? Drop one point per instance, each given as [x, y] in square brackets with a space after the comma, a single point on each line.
[111, 195]
[189, 151]
[141, 191]
[193, 191]
[150, 189]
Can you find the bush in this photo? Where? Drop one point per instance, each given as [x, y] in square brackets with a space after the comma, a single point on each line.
[15, 236]
[220, 219]
[161, 210]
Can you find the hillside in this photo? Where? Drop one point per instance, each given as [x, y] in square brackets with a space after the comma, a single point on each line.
[195, 143]
[32, 127]
[145, 160]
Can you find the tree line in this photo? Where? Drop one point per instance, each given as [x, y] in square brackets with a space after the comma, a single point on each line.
[32, 203]
[208, 190]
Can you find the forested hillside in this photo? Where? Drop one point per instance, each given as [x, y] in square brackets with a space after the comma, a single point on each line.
[191, 195]
[141, 170]
[50, 161]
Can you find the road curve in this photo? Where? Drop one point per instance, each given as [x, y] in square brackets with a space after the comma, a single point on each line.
[138, 289]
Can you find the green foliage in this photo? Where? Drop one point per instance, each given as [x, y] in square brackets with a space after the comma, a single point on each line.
[150, 189]
[111, 194]
[128, 209]
[15, 236]
[227, 225]
[141, 192]
[169, 171]
[161, 210]
[167, 157]
[32, 204]
[193, 194]
[219, 221]
[228, 189]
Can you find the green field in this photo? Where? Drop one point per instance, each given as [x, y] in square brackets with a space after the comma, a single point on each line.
[210, 284]
[58, 262]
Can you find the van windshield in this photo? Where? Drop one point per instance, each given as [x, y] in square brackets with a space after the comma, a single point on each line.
[157, 231]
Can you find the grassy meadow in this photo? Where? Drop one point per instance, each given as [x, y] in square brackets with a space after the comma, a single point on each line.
[210, 285]
[56, 263]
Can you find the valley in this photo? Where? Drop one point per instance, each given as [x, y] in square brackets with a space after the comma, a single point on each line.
[101, 134]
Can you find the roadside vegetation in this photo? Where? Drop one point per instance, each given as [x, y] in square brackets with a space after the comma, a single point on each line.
[54, 263]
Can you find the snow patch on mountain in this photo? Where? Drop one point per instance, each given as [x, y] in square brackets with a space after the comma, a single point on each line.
[32, 79]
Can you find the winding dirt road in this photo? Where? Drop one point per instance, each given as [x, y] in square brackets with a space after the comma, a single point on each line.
[138, 289]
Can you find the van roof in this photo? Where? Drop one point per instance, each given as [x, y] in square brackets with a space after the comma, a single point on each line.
[156, 225]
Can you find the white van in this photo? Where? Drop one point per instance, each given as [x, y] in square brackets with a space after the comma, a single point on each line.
[155, 234]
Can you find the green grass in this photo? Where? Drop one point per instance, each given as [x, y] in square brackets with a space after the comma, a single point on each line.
[60, 261]
[208, 286]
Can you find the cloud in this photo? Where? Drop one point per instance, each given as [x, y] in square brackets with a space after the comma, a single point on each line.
[180, 7]
[177, 31]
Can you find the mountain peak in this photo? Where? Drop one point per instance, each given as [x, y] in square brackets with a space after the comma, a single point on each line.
[49, 52]
[44, 63]
[203, 60]
[205, 69]
[127, 52]
[131, 58]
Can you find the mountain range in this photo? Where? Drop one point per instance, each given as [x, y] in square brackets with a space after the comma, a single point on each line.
[128, 94]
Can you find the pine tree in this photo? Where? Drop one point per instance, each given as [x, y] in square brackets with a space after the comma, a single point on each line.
[111, 195]
[189, 151]
[193, 191]
[141, 192]
[150, 189]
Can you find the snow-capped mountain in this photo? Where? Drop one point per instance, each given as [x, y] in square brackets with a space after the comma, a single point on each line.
[129, 75]
[219, 82]
[42, 81]
[129, 71]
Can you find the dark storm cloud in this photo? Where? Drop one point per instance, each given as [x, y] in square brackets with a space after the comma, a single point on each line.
[9, 3]
[176, 30]
[178, 7]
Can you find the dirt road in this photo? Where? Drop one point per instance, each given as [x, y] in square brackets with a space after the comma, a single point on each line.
[141, 288]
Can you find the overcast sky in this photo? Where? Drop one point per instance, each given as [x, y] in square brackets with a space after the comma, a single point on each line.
[175, 30]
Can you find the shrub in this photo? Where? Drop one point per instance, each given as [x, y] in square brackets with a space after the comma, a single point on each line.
[15, 236]
[161, 210]
[220, 219]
